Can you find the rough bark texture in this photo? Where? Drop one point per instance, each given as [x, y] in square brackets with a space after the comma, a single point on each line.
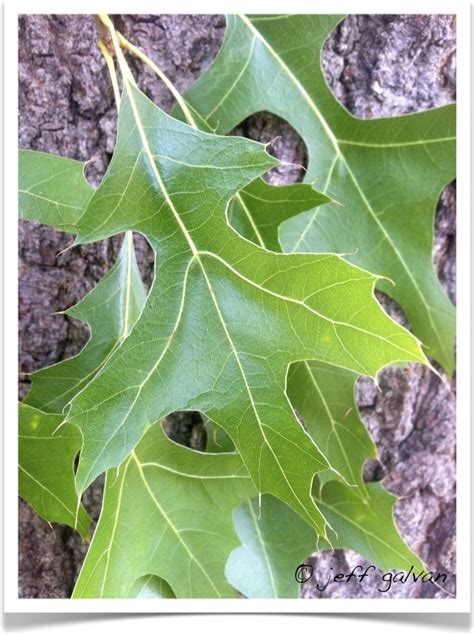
[377, 66]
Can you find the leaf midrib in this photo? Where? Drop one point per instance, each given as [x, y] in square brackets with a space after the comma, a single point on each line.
[203, 477]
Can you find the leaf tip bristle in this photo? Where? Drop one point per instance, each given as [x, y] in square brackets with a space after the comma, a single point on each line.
[66, 249]
[271, 142]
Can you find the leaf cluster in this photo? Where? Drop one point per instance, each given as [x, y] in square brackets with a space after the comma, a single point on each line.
[261, 316]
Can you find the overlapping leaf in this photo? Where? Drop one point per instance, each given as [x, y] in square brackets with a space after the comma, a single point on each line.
[324, 396]
[369, 529]
[258, 210]
[52, 189]
[167, 512]
[224, 319]
[321, 393]
[46, 474]
[48, 449]
[110, 309]
[385, 174]
[222, 324]
[274, 542]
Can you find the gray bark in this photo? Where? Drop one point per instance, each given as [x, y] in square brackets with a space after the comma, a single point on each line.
[377, 66]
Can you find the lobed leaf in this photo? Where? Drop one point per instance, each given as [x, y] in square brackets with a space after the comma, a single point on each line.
[224, 318]
[368, 529]
[274, 542]
[258, 210]
[46, 468]
[52, 189]
[385, 174]
[322, 394]
[169, 509]
[110, 309]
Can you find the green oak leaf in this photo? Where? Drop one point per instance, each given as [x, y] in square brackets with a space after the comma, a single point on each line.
[258, 210]
[321, 393]
[47, 187]
[367, 529]
[275, 541]
[150, 587]
[52, 190]
[46, 468]
[324, 396]
[217, 439]
[169, 509]
[110, 310]
[385, 174]
[224, 318]
[278, 540]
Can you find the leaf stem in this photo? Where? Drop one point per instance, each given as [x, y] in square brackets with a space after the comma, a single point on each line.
[124, 68]
[109, 60]
[168, 83]
[128, 236]
[119, 42]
